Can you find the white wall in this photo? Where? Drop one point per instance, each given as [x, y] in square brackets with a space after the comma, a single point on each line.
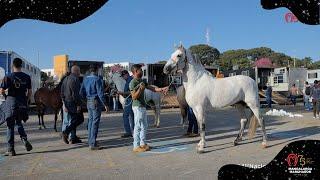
[311, 80]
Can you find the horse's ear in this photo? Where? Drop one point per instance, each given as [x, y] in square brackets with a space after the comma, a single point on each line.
[181, 46]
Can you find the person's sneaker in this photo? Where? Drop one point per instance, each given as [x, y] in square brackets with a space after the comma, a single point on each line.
[146, 147]
[139, 149]
[78, 138]
[75, 141]
[314, 117]
[126, 135]
[10, 152]
[64, 137]
[95, 148]
[27, 144]
[187, 134]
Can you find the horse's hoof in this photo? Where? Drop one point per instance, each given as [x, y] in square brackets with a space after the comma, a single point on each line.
[264, 145]
[235, 143]
[200, 151]
[157, 126]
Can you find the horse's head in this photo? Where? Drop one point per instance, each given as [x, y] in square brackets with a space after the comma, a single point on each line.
[116, 79]
[177, 62]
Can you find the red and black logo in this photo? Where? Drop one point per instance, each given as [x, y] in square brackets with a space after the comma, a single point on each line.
[292, 160]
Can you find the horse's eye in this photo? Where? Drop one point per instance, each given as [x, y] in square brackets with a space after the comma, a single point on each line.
[179, 56]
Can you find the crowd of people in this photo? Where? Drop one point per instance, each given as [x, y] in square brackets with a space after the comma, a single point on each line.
[310, 93]
[74, 94]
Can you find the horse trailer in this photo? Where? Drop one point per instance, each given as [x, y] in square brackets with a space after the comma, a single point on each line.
[85, 67]
[6, 59]
[281, 79]
[313, 75]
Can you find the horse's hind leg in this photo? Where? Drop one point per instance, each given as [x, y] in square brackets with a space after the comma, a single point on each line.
[39, 119]
[61, 115]
[55, 120]
[256, 112]
[42, 115]
[243, 123]
[157, 116]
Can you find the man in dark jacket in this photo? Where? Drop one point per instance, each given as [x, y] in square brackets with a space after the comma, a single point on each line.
[71, 103]
[18, 85]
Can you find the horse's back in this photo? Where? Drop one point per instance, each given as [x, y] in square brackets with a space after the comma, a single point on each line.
[41, 94]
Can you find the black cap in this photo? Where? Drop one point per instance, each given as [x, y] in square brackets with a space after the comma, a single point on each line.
[124, 72]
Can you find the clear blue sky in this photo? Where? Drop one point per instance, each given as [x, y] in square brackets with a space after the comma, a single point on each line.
[146, 30]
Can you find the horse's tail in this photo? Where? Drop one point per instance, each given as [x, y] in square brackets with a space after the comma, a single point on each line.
[252, 126]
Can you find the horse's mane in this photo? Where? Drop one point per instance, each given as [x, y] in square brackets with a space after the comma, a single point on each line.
[61, 81]
[196, 61]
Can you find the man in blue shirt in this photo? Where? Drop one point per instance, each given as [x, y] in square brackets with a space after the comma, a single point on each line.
[92, 89]
[18, 85]
[127, 109]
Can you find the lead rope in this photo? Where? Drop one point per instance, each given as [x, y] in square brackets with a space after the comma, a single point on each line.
[152, 106]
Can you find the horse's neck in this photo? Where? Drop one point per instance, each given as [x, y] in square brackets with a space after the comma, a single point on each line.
[120, 84]
[193, 73]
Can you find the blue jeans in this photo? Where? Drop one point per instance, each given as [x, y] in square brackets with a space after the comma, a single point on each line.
[140, 126]
[127, 116]
[307, 103]
[10, 132]
[94, 113]
[293, 99]
[269, 101]
[115, 103]
[66, 122]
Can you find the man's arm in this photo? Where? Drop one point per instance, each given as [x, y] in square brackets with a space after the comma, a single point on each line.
[135, 94]
[29, 89]
[156, 89]
[29, 94]
[4, 85]
[82, 92]
[76, 91]
[62, 91]
[123, 93]
[100, 91]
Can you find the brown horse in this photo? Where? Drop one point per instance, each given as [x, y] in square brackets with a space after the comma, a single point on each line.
[183, 105]
[45, 97]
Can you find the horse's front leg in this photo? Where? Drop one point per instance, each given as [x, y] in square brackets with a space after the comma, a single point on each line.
[199, 113]
[44, 127]
[55, 121]
[39, 119]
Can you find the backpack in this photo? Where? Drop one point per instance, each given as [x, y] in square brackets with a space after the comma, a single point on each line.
[308, 89]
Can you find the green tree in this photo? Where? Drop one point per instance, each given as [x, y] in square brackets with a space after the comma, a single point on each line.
[205, 53]
[161, 62]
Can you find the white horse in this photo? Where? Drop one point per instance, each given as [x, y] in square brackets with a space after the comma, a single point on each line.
[148, 95]
[203, 91]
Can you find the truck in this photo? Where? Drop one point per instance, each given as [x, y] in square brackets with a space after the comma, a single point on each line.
[6, 59]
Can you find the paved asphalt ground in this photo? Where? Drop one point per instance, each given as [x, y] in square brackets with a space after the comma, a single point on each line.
[172, 156]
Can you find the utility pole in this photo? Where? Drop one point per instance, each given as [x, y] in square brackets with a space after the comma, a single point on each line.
[208, 36]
